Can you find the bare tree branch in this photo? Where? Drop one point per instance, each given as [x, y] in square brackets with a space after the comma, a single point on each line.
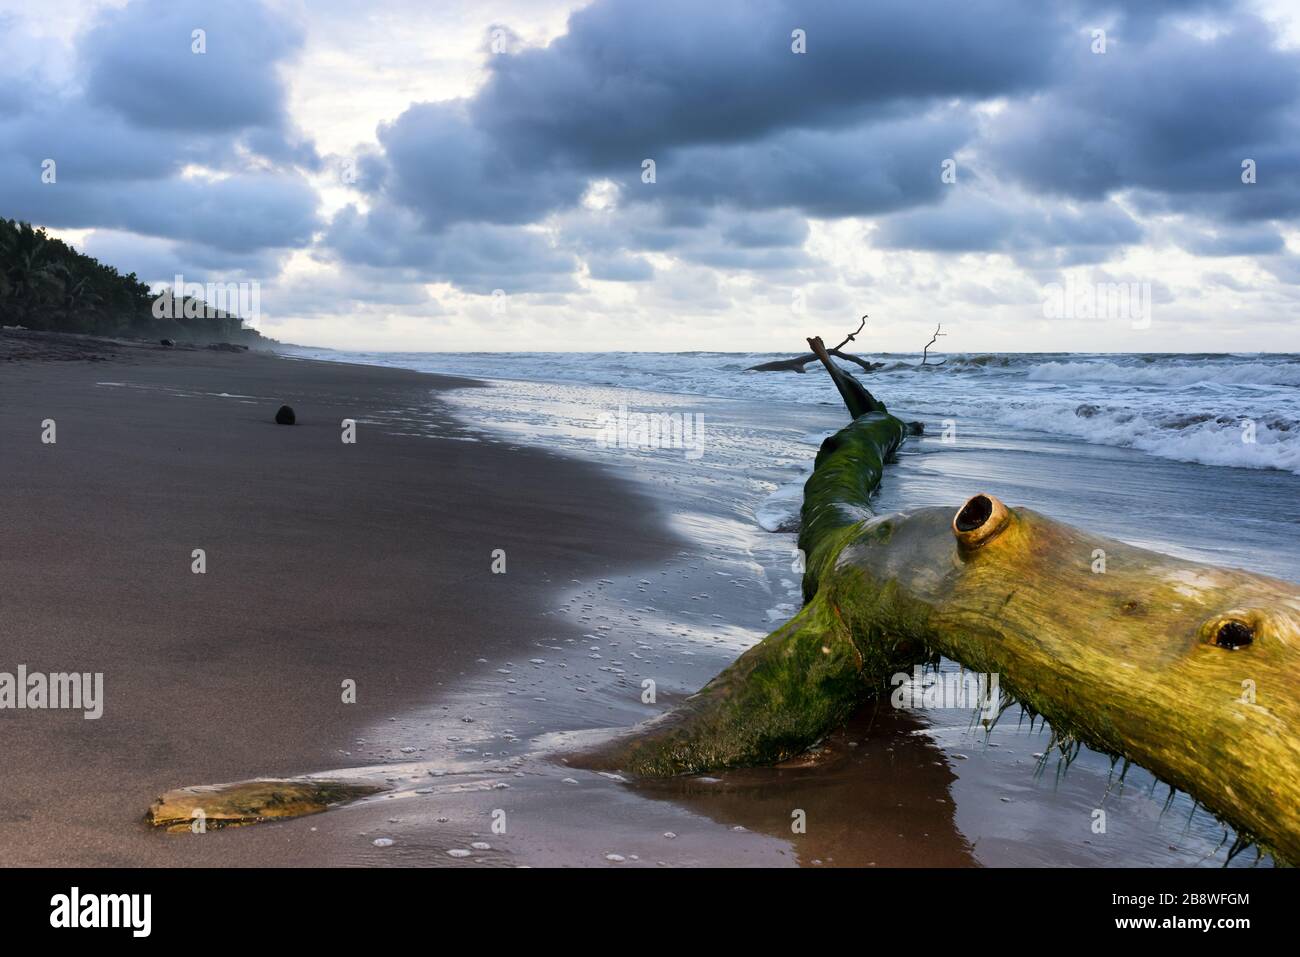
[925, 353]
[851, 337]
[797, 363]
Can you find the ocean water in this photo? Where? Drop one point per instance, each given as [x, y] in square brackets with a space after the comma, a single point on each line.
[1192, 455]
[1237, 410]
[1131, 445]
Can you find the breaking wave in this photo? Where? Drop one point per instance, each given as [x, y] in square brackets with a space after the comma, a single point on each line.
[1177, 374]
[1205, 438]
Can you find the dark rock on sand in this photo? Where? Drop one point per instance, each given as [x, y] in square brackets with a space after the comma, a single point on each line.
[285, 416]
[228, 347]
[167, 342]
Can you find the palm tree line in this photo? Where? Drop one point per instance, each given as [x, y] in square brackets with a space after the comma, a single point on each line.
[47, 285]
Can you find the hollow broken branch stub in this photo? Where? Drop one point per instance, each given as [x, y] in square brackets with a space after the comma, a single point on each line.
[973, 514]
[980, 520]
[1234, 634]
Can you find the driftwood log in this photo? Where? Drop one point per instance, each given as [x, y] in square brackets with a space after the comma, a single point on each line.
[213, 806]
[797, 363]
[1188, 670]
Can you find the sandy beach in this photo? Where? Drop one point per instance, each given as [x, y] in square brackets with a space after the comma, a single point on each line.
[324, 562]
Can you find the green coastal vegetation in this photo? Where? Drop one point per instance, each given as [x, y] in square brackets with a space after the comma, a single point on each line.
[47, 285]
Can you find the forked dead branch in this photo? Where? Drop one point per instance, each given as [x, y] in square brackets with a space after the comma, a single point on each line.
[799, 363]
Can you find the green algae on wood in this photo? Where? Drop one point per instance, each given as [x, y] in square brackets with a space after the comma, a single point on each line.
[799, 683]
[808, 676]
[251, 802]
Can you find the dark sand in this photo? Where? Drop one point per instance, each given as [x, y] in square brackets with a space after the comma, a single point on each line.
[325, 561]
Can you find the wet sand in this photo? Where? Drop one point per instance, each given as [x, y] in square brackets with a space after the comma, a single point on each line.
[325, 562]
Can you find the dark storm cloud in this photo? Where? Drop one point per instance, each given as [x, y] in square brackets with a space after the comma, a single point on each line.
[767, 230]
[976, 223]
[632, 79]
[1175, 118]
[245, 212]
[865, 170]
[733, 118]
[144, 106]
[140, 62]
[87, 143]
[240, 213]
[619, 267]
[476, 257]
[1248, 240]
[859, 125]
[440, 164]
[714, 93]
[720, 237]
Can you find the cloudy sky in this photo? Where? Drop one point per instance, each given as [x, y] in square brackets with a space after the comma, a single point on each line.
[417, 174]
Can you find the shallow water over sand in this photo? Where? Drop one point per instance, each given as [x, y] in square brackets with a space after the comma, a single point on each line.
[918, 787]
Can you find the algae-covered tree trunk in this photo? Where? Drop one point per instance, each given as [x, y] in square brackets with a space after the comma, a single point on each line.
[808, 676]
[1188, 670]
